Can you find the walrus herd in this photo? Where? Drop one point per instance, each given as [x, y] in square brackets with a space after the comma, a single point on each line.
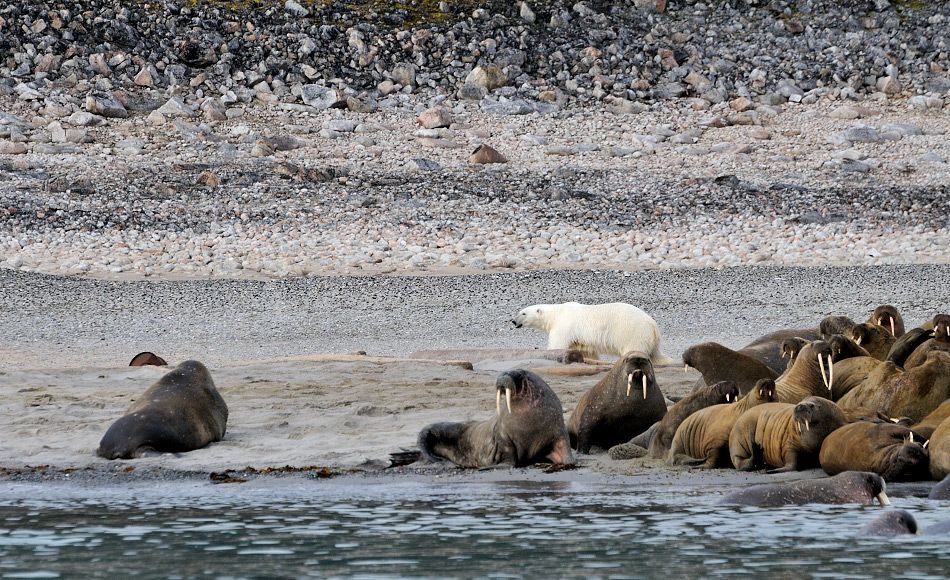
[866, 402]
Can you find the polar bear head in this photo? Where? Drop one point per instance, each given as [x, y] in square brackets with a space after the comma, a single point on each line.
[532, 316]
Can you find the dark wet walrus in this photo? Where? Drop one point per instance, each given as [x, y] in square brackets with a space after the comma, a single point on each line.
[147, 358]
[939, 447]
[528, 428]
[889, 450]
[719, 363]
[849, 487]
[890, 523]
[724, 392]
[183, 411]
[783, 436]
[940, 341]
[941, 490]
[625, 403]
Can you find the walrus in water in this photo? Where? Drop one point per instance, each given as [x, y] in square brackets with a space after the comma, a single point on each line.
[941, 490]
[886, 449]
[768, 348]
[783, 436]
[888, 317]
[848, 487]
[625, 403]
[724, 392]
[719, 363]
[926, 426]
[183, 411]
[528, 428]
[831, 325]
[940, 342]
[147, 358]
[914, 393]
[703, 438]
[873, 338]
[939, 447]
[890, 523]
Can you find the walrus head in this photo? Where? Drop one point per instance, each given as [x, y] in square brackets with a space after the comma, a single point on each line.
[822, 350]
[637, 371]
[520, 389]
[942, 327]
[843, 347]
[835, 325]
[869, 332]
[727, 391]
[865, 480]
[764, 390]
[888, 317]
[815, 418]
[791, 347]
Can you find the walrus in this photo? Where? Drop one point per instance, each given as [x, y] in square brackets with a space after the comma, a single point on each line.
[783, 436]
[831, 325]
[849, 487]
[791, 347]
[913, 393]
[528, 428]
[874, 338]
[886, 449]
[940, 341]
[702, 439]
[941, 490]
[939, 448]
[888, 317]
[926, 426]
[181, 412]
[147, 358]
[724, 392]
[768, 348]
[890, 523]
[719, 363]
[623, 404]
[812, 374]
[905, 346]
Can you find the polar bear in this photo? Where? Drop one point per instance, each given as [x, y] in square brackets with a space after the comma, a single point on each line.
[613, 329]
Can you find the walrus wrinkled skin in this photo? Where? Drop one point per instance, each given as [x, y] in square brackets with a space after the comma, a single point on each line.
[625, 403]
[914, 393]
[718, 363]
[831, 325]
[939, 448]
[873, 338]
[768, 348]
[941, 490]
[940, 341]
[849, 487]
[886, 449]
[528, 428]
[888, 317]
[891, 523]
[183, 411]
[702, 439]
[926, 426]
[783, 436]
[147, 358]
[721, 393]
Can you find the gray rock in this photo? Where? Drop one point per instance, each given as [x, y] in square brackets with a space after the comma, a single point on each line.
[516, 107]
[131, 146]
[435, 117]
[925, 102]
[176, 107]
[470, 92]
[214, 110]
[902, 129]
[423, 164]
[489, 77]
[106, 105]
[526, 13]
[787, 88]
[296, 9]
[85, 119]
[560, 150]
[888, 85]
[340, 125]
[626, 107]
[12, 148]
[856, 135]
[404, 74]
[321, 97]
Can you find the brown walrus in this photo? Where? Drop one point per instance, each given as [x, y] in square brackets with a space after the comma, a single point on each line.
[811, 375]
[891, 523]
[791, 347]
[625, 403]
[939, 448]
[849, 487]
[147, 358]
[873, 338]
[528, 428]
[831, 325]
[181, 412]
[914, 393]
[703, 438]
[719, 363]
[886, 449]
[724, 392]
[784, 436]
[926, 426]
[888, 317]
[940, 341]
[768, 348]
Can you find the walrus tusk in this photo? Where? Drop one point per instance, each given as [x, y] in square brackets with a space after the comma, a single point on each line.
[508, 398]
[895, 419]
[831, 373]
[821, 366]
[882, 497]
[644, 387]
[498, 402]
[685, 368]
[892, 327]
[858, 341]
[629, 383]
[926, 443]
[807, 427]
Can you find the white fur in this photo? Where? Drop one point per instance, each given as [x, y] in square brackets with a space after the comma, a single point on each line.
[612, 329]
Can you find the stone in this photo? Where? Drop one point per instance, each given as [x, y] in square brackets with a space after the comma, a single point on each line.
[131, 146]
[208, 178]
[627, 107]
[295, 8]
[144, 78]
[740, 104]
[846, 112]
[423, 164]
[106, 105]
[489, 77]
[526, 13]
[176, 107]
[282, 142]
[439, 143]
[214, 110]
[760, 133]
[888, 85]
[12, 148]
[861, 134]
[85, 119]
[386, 87]
[261, 150]
[787, 88]
[435, 117]
[626, 451]
[321, 97]
[404, 74]
[56, 132]
[340, 125]
[560, 150]
[471, 92]
[925, 102]
[485, 154]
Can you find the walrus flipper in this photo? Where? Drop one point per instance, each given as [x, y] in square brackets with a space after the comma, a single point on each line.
[404, 457]
[906, 345]
[438, 441]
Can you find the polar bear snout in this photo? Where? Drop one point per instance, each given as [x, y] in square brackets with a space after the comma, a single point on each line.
[516, 323]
